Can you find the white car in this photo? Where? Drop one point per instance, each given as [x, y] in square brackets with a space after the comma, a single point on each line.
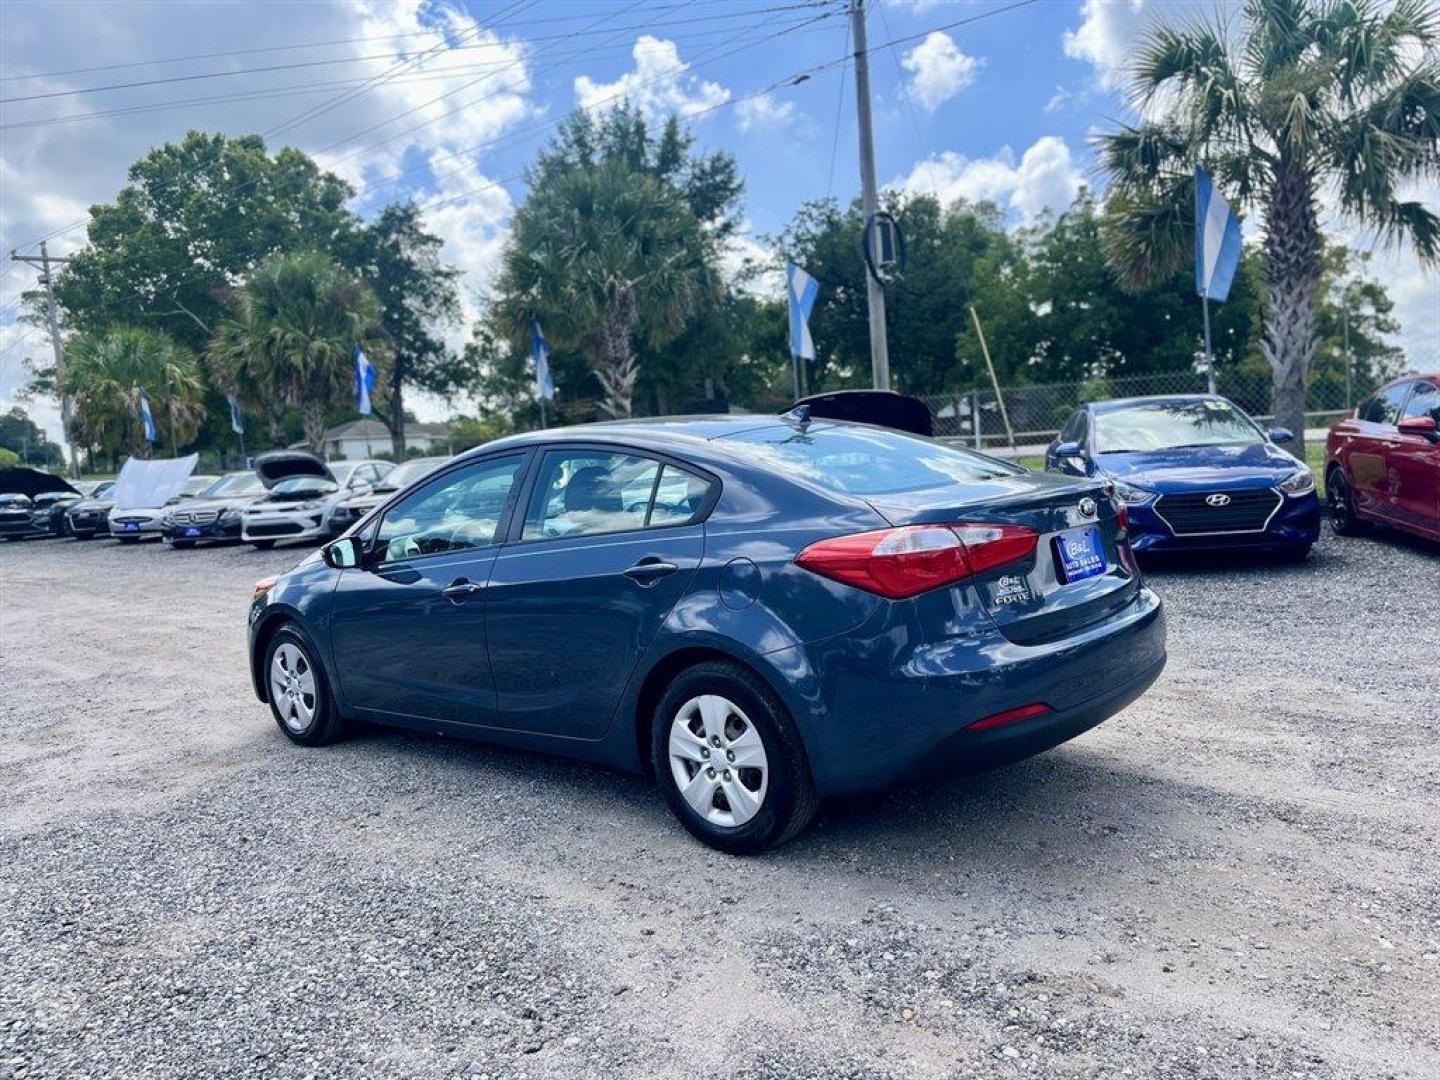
[138, 522]
[303, 490]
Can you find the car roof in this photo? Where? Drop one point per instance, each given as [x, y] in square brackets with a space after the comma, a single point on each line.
[1117, 404]
[659, 433]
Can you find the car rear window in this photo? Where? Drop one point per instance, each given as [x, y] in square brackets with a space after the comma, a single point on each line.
[865, 461]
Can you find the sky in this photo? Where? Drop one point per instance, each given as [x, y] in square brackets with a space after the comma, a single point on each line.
[446, 102]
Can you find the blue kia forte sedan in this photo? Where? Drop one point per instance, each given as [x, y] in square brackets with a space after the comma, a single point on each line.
[1194, 472]
[760, 611]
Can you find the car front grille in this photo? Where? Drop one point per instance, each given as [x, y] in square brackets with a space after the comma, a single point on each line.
[194, 517]
[14, 517]
[274, 528]
[1202, 513]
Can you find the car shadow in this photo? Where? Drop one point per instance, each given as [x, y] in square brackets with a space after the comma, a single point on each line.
[1073, 802]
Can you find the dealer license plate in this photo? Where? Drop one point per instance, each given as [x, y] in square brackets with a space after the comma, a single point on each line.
[1080, 553]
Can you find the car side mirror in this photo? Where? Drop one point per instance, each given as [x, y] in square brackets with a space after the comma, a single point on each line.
[342, 554]
[1424, 426]
[1067, 449]
[1280, 435]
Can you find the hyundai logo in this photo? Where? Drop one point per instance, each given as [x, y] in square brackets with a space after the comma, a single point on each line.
[1218, 499]
[1087, 507]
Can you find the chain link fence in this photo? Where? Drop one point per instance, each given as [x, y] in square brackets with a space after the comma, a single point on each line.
[1036, 413]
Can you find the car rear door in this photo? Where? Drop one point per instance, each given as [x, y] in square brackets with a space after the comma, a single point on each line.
[1414, 464]
[609, 542]
[407, 626]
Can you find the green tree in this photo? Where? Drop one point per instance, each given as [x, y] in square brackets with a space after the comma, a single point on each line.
[193, 219]
[418, 296]
[27, 440]
[1314, 93]
[291, 337]
[615, 250]
[104, 374]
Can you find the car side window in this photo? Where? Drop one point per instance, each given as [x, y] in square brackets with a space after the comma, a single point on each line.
[588, 492]
[1425, 401]
[678, 496]
[456, 512]
[1384, 407]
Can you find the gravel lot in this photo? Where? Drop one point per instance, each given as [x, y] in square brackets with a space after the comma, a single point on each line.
[1237, 877]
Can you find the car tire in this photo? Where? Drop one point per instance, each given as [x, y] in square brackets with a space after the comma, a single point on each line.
[723, 701]
[1342, 505]
[307, 716]
[263, 545]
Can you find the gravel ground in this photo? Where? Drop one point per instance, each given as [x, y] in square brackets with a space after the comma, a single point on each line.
[1236, 877]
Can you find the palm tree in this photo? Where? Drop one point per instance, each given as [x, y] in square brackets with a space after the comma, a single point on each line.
[104, 374]
[291, 339]
[598, 256]
[1313, 97]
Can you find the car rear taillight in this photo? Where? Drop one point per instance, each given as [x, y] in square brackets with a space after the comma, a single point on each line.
[912, 559]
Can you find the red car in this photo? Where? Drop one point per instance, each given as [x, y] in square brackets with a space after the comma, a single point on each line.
[1382, 463]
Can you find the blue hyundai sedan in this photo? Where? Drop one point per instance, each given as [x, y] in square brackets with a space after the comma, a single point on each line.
[1194, 473]
[761, 612]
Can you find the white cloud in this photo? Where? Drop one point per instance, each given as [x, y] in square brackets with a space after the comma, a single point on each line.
[1105, 37]
[660, 84]
[455, 101]
[1045, 177]
[764, 113]
[940, 70]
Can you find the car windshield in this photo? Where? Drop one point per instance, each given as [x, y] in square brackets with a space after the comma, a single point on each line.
[1172, 425]
[241, 483]
[305, 485]
[407, 473]
[865, 461]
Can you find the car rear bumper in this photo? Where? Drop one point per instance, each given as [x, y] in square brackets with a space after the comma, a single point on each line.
[870, 733]
[1295, 523]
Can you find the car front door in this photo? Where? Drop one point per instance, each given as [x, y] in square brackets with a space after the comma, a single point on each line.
[1415, 464]
[609, 541]
[407, 627]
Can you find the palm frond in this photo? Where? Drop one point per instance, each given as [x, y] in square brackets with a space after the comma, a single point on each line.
[1149, 236]
[1140, 156]
[1412, 221]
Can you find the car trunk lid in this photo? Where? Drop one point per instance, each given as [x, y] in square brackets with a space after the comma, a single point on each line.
[1081, 569]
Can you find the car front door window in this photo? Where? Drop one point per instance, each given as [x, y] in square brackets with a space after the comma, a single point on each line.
[459, 511]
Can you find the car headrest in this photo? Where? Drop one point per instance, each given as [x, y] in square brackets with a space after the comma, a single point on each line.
[592, 488]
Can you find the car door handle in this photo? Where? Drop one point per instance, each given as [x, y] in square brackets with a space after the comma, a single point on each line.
[650, 570]
[460, 590]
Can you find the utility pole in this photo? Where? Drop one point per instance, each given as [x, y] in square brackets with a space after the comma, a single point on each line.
[874, 289]
[44, 261]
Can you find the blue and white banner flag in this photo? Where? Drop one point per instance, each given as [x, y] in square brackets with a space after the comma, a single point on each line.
[540, 357]
[237, 423]
[364, 382]
[145, 417]
[802, 290]
[1217, 240]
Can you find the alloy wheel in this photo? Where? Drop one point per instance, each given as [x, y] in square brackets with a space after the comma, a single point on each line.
[718, 760]
[1338, 498]
[292, 687]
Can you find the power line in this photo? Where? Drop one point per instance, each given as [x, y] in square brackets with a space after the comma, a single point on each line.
[307, 45]
[443, 46]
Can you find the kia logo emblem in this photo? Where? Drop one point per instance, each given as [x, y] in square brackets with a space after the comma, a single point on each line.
[1218, 499]
[1087, 507]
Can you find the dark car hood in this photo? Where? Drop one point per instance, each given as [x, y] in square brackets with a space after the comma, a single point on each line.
[22, 481]
[223, 503]
[92, 504]
[1201, 467]
[281, 464]
[884, 408]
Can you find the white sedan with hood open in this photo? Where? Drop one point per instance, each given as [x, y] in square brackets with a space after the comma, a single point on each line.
[302, 490]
